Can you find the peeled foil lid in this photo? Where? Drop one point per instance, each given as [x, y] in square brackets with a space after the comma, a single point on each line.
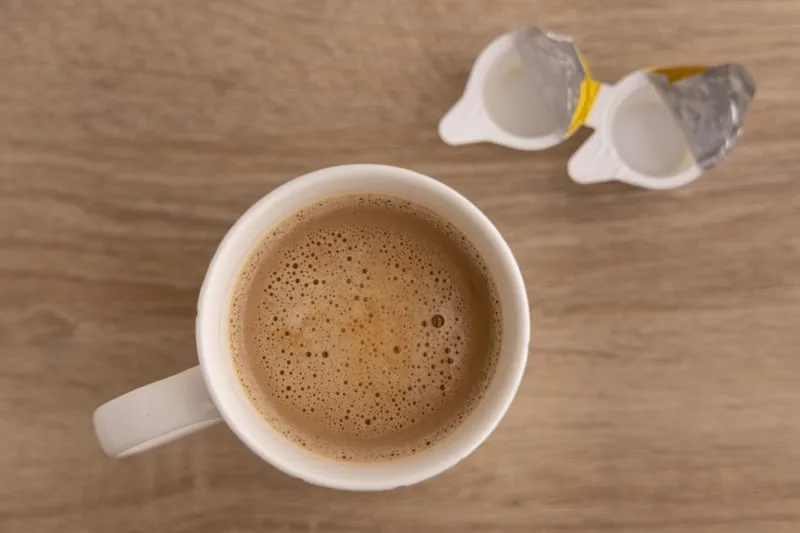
[553, 64]
[709, 107]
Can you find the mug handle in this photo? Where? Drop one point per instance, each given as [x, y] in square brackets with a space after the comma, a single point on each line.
[155, 414]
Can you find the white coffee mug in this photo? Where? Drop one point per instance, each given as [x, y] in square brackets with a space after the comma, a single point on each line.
[210, 392]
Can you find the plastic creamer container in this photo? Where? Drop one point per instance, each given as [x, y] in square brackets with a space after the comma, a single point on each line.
[658, 128]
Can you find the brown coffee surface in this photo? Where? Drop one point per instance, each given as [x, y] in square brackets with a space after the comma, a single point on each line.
[365, 328]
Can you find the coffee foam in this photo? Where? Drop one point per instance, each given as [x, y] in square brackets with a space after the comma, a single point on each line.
[365, 327]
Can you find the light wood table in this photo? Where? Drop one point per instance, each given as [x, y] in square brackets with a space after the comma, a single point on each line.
[663, 388]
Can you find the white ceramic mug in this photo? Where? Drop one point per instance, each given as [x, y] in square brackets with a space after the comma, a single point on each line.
[211, 392]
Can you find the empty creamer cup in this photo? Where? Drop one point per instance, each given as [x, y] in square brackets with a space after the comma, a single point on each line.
[528, 90]
[658, 128]
[661, 128]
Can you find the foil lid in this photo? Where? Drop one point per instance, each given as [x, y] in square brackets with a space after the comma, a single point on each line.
[552, 62]
[709, 107]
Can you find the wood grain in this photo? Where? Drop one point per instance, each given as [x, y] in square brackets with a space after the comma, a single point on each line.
[663, 388]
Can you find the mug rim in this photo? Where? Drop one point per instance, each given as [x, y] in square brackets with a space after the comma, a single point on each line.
[212, 359]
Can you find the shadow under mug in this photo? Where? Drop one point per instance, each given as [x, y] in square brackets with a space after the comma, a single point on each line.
[210, 392]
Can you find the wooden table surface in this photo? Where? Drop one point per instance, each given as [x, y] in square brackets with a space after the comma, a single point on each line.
[663, 389]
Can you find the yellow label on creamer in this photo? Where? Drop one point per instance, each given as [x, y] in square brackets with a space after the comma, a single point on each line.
[589, 90]
[674, 74]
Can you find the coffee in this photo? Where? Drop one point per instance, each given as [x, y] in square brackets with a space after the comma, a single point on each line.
[365, 327]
